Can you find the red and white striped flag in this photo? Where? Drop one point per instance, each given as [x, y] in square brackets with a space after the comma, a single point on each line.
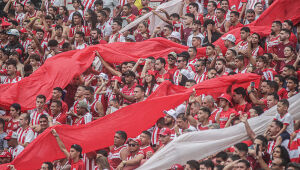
[294, 148]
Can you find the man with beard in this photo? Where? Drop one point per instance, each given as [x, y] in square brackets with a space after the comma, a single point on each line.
[288, 24]
[127, 92]
[183, 125]
[14, 44]
[96, 37]
[196, 26]
[170, 120]
[211, 73]
[11, 75]
[161, 73]
[242, 46]
[273, 38]
[220, 67]
[182, 61]
[264, 91]
[200, 71]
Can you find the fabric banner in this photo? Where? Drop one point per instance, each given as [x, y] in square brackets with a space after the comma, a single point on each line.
[200, 144]
[133, 119]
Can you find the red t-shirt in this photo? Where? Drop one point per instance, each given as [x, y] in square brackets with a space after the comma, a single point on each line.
[78, 165]
[224, 116]
[145, 150]
[243, 108]
[235, 26]
[282, 93]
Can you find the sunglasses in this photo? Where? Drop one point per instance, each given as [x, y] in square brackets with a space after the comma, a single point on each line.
[179, 61]
[171, 58]
[132, 145]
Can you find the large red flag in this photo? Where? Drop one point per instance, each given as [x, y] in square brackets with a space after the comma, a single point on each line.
[133, 119]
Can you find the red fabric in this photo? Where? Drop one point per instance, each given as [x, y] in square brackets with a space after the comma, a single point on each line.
[45, 148]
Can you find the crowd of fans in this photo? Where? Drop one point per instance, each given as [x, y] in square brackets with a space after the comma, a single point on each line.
[33, 31]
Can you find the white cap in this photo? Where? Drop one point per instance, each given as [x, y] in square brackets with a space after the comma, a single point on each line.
[188, 74]
[104, 76]
[229, 37]
[171, 112]
[175, 35]
[13, 32]
[180, 109]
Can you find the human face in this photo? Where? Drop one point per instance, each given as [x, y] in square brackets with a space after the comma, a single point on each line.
[167, 31]
[240, 166]
[233, 18]
[258, 9]
[283, 36]
[78, 38]
[88, 95]
[74, 153]
[80, 91]
[158, 65]
[130, 66]
[202, 116]
[210, 7]
[260, 64]
[100, 17]
[244, 35]
[118, 140]
[224, 5]
[141, 28]
[259, 143]
[56, 94]
[237, 97]
[61, 11]
[281, 109]
[285, 25]
[207, 103]
[87, 16]
[129, 79]
[291, 85]
[39, 103]
[133, 146]
[275, 28]
[192, 9]
[212, 74]
[196, 42]
[223, 103]
[219, 14]
[229, 56]
[40, 35]
[288, 52]
[273, 129]
[271, 101]
[13, 112]
[75, 4]
[209, 51]
[94, 35]
[125, 11]
[199, 66]
[219, 66]
[255, 39]
[164, 139]
[44, 167]
[11, 70]
[115, 27]
[145, 140]
[138, 94]
[23, 120]
[192, 52]
[238, 63]
[148, 78]
[54, 108]
[250, 17]
[188, 20]
[195, 27]
[276, 153]
[181, 63]
[180, 123]
[44, 123]
[168, 119]
[264, 88]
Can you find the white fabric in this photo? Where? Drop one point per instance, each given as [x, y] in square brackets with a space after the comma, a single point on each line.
[171, 7]
[200, 144]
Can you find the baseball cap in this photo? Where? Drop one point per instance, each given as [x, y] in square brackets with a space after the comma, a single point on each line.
[83, 104]
[177, 167]
[11, 135]
[171, 112]
[5, 154]
[175, 35]
[226, 97]
[104, 76]
[137, 140]
[173, 54]
[229, 37]
[188, 74]
[165, 131]
[13, 32]
[116, 78]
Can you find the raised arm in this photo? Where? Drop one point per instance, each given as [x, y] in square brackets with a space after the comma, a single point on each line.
[60, 143]
[165, 19]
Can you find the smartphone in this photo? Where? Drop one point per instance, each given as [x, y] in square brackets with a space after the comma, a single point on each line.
[252, 84]
[257, 149]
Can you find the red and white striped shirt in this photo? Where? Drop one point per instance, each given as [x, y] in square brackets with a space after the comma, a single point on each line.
[25, 135]
[84, 119]
[178, 27]
[271, 41]
[155, 136]
[84, 29]
[251, 3]
[25, 43]
[35, 116]
[7, 80]
[200, 78]
[15, 151]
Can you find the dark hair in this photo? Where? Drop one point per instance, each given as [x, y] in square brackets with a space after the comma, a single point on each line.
[234, 157]
[162, 60]
[290, 67]
[237, 14]
[289, 22]
[17, 107]
[2, 121]
[278, 23]
[211, 45]
[40, 96]
[275, 95]
[76, 13]
[50, 165]
[93, 18]
[245, 162]
[278, 123]
[222, 60]
[129, 73]
[206, 110]
[222, 10]
[181, 116]
[80, 33]
[294, 79]
[193, 164]
[246, 29]
[284, 154]
[58, 89]
[207, 22]
[233, 51]
[240, 90]
[197, 22]
[285, 102]
[286, 31]
[281, 79]
[170, 27]
[263, 139]
[43, 116]
[194, 49]
[52, 43]
[59, 103]
[273, 85]
[195, 5]
[58, 27]
[242, 147]
[294, 165]
[175, 15]
[141, 88]
[90, 89]
[215, 5]
[98, 2]
[223, 155]
[103, 152]
[66, 10]
[250, 11]
[263, 58]
[122, 134]
[147, 133]
[207, 163]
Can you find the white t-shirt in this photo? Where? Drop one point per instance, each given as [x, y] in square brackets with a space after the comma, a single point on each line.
[287, 120]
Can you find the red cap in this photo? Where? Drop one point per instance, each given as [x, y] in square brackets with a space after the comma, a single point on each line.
[177, 167]
[19, 51]
[116, 78]
[23, 30]
[165, 131]
[4, 23]
[226, 97]
[137, 140]
[151, 72]
[5, 154]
